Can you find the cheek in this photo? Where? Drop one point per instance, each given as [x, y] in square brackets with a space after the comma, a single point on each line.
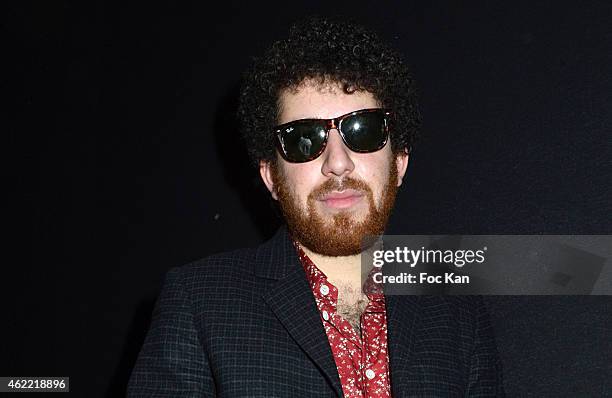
[375, 174]
[301, 182]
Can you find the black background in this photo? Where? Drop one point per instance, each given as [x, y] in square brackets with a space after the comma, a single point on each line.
[123, 160]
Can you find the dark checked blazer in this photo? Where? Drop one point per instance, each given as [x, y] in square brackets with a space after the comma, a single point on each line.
[245, 324]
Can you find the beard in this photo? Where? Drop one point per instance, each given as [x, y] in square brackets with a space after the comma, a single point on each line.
[339, 234]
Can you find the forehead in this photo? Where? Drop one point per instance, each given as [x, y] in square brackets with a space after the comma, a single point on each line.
[321, 101]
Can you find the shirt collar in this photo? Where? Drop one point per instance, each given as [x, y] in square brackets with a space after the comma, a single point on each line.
[325, 290]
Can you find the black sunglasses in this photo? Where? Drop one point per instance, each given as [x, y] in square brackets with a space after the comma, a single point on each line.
[365, 130]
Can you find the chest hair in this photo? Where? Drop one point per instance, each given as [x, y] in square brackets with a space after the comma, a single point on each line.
[351, 304]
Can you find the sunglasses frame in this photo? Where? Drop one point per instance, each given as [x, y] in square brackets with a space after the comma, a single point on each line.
[334, 123]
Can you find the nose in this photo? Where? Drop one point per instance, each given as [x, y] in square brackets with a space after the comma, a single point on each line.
[336, 157]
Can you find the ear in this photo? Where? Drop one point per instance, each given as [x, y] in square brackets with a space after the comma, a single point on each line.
[265, 170]
[401, 162]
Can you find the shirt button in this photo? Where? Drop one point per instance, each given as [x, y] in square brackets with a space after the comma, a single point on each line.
[324, 289]
[370, 374]
[325, 315]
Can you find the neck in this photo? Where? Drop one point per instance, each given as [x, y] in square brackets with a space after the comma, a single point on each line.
[340, 270]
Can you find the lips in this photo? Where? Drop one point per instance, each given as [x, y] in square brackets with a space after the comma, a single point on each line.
[342, 199]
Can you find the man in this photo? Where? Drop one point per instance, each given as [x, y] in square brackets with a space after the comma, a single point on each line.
[328, 115]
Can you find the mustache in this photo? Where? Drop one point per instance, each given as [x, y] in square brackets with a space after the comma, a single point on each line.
[339, 185]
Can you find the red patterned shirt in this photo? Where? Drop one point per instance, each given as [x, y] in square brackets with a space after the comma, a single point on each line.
[362, 361]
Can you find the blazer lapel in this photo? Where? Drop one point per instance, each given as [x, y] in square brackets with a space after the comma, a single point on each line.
[293, 303]
[402, 319]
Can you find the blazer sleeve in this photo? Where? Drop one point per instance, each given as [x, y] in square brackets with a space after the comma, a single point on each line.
[485, 378]
[172, 362]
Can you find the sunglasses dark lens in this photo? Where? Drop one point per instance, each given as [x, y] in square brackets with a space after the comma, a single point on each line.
[365, 132]
[302, 141]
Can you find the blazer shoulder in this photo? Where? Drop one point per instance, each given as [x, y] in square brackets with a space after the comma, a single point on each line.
[241, 265]
[221, 280]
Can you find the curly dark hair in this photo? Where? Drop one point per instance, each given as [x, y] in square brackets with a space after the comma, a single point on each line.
[326, 50]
